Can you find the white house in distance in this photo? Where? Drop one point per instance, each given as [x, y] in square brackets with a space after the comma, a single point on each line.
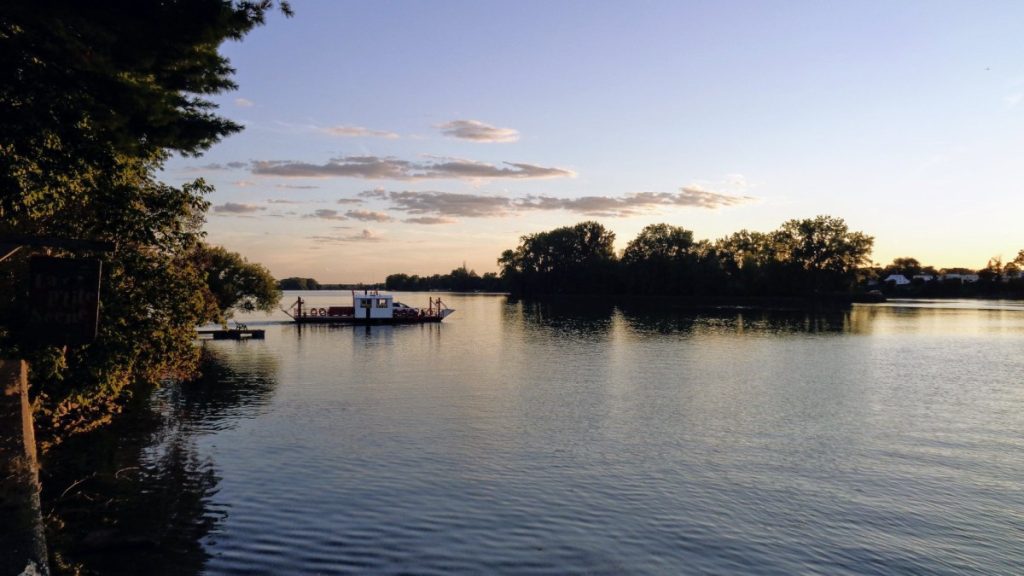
[965, 278]
[897, 279]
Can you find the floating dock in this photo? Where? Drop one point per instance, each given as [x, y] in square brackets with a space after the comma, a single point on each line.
[232, 334]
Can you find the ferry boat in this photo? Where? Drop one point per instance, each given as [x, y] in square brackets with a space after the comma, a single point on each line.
[370, 307]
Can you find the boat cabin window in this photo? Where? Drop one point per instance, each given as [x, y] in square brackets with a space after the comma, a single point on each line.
[382, 303]
[365, 303]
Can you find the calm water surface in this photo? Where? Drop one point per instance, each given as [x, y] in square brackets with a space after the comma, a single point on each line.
[556, 439]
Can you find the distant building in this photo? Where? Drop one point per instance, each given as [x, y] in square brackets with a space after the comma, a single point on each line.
[897, 279]
[965, 278]
[924, 277]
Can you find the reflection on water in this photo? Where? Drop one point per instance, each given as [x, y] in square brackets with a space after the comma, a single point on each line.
[588, 438]
[136, 498]
[737, 322]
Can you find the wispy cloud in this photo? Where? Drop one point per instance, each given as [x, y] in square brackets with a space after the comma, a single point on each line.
[235, 208]
[430, 220]
[389, 168]
[326, 214]
[448, 204]
[296, 186]
[217, 166]
[445, 203]
[478, 131]
[634, 203]
[364, 236]
[369, 216]
[358, 132]
[243, 183]
[244, 103]
[283, 201]
[349, 201]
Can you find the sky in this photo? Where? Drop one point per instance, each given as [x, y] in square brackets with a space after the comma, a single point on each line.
[386, 137]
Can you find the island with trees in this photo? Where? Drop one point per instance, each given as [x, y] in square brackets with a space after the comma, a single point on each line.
[811, 258]
[811, 261]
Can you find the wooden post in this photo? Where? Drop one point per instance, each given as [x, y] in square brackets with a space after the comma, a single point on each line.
[22, 540]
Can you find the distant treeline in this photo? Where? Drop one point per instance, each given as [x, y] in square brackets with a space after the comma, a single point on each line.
[458, 280]
[812, 257]
[296, 283]
[907, 277]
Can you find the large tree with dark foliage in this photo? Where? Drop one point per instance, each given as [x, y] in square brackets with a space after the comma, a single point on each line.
[660, 260]
[821, 254]
[569, 260]
[94, 97]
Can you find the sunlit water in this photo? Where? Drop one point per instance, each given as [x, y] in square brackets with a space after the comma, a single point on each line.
[558, 439]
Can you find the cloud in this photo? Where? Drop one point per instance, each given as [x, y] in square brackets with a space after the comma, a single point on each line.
[325, 214]
[358, 132]
[430, 220]
[478, 131]
[445, 203]
[244, 183]
[217, 166]
[235, 208]
[389, 168]
[448, 204]
[369, 216]
[736, 181]
[349, 201]
[244, 103]
[364, 236]
[635, 203]
[296, 186]
[283, 201]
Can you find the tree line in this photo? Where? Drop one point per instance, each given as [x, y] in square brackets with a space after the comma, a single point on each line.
[300, 283]
[458, 280]
[813, 257]
[997, 279]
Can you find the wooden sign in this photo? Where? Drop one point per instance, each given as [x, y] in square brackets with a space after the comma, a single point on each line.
[64, 299]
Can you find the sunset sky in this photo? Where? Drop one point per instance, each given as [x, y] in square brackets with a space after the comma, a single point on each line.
[387, 137]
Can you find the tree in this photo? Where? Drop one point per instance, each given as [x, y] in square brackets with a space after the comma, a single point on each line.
[749, 262]
[568, 260]
[1019, 260]
[821, 252]
[296, 283]
[993, 271]
[94, 98]
[234, 283]
[906, 266]
[660, 260]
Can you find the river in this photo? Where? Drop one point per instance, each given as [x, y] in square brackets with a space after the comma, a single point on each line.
[562, 438]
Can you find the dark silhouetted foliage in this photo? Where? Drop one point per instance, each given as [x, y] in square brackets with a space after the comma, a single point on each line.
[94, 97]
[296, 283]
[804, 258]
[569, 260]
[459, 280]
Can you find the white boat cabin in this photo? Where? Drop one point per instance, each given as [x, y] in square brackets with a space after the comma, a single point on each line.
[374, 306]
